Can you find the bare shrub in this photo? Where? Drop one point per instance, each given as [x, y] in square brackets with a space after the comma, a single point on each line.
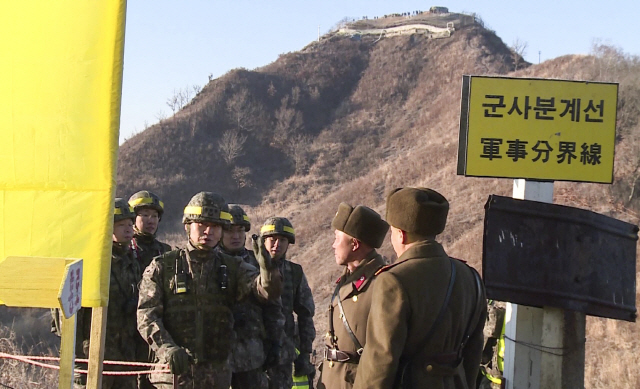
[231, 145]
[18, 374]
[241, 176]
[518, 51]
[288, 121]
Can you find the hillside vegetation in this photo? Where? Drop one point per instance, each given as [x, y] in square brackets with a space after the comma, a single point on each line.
[349, 119]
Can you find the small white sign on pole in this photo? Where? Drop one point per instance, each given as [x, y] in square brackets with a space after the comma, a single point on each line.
[70, 295]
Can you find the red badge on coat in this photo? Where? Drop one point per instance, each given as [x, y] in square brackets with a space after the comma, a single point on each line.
[359, 283]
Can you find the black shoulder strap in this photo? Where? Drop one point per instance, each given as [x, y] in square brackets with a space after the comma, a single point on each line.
[476, 312]
[404, 365]
[445, 304]
[345, 322]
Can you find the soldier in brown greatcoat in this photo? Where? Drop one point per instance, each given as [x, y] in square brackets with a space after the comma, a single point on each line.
[358, 232]
[428, 310]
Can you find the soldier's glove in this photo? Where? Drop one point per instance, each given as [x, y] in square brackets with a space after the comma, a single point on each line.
[303, 366]
[261, 253]
[178, 360]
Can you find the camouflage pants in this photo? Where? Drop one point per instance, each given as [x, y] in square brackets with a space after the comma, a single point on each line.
[200, 376]
[256, 379]
[280, 376]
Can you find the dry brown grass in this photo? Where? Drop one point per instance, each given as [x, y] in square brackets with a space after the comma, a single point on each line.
[17, 374]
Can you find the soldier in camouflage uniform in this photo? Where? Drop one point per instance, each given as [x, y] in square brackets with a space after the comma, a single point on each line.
[492, 362]
[148, 209]
[277, 233]
[259, 327]
[187, 296]
[358, 232]
[121, 338]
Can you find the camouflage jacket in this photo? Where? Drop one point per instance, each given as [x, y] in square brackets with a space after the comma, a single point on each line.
[122, 340]
[186, 299]
[296, 297]
[146, 247]
[257, 326]
[492, 354]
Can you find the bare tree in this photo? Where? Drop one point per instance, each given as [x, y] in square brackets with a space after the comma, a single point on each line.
[298, 149]
[161, 115]
[518, 51]
[180, 98]
[231, 145]
[288, 122]
[271, 91]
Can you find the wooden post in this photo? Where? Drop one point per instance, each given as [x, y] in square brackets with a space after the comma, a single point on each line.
[67, 352]
[556, 359]
[96, 347]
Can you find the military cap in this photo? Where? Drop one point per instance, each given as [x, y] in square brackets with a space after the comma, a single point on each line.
[362, 223]
[278, 226]
[146, 199]
[207, 207]
[421, 211]
[122, 210]
[239, 217]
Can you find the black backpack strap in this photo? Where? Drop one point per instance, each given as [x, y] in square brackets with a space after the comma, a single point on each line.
[476, 312]
[404, 365]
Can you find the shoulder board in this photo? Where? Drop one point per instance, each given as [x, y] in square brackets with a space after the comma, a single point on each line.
[458, 259]
[338, 280]
[387, 267]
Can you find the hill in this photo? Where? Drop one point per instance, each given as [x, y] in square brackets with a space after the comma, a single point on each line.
[349, 118]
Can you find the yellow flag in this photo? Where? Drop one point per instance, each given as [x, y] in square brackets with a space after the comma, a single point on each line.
[60, 90]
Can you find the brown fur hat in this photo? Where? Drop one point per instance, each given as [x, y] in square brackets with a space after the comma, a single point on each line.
[420, 211]
[362, 223]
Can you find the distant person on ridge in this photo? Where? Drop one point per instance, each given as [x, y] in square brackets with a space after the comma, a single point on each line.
[358, 232]
[259, 327]
[425, 327]
[187, 296]
[277, 233]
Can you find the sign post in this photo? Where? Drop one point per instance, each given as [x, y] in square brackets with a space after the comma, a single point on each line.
[538, 131]
[57, 284]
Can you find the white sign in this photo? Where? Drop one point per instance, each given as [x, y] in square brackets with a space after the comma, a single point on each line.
[70, 295]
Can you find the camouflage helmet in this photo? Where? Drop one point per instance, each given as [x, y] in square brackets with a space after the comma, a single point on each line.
[239, 217]
[122, 210]
[278, 226]
[145, 199]
[207, 207]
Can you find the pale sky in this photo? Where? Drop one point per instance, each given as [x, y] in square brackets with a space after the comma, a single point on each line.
[171, 45]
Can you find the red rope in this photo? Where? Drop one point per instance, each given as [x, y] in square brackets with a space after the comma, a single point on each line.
[32, 360]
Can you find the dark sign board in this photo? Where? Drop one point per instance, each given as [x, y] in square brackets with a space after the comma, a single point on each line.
[541, 254]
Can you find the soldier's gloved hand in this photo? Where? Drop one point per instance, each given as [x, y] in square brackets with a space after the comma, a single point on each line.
[178, 360]
[261, 253]
[303, 366]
